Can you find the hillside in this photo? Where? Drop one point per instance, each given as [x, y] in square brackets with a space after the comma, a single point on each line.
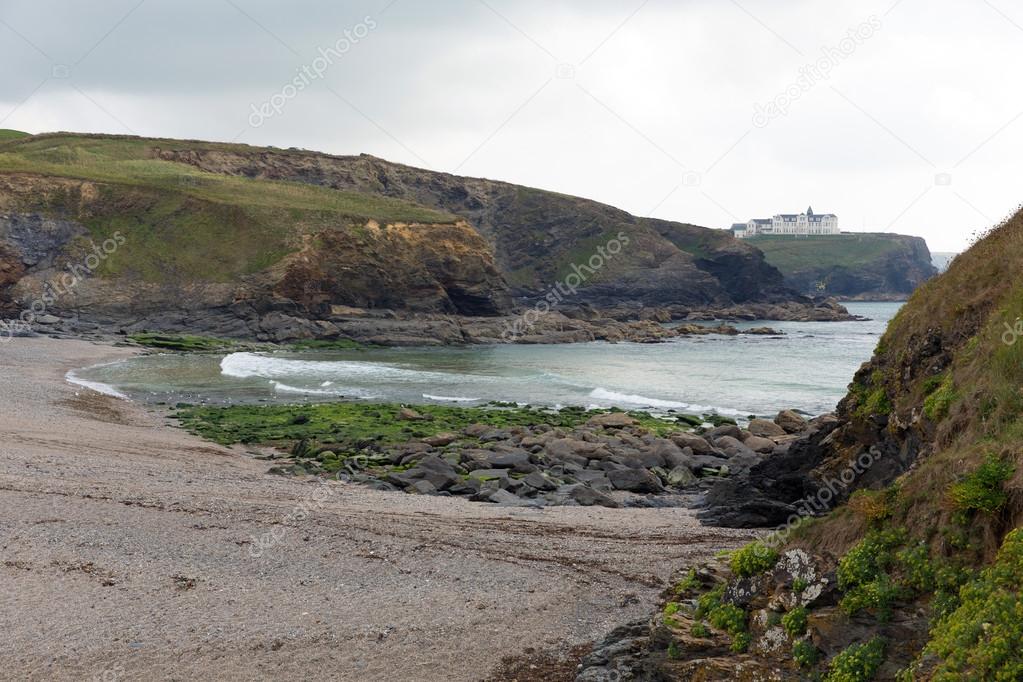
[916, 571]
[861, 265]
[243, 241]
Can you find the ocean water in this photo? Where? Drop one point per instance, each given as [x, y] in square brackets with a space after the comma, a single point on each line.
[807, 368]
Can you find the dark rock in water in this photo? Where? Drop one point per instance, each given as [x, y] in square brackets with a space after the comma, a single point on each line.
[635, 480]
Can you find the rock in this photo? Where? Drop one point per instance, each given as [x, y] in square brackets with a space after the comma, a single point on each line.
[635, 481]
[408, 414]
[765, 429]
[723, 430]
[680, 477]
[761, 445]
[562, 449]
[423, 487]
[441, 439]
[732, 446]
[697, 444]
[483, 475]
[613, 420]
[513, 459]
[670, 454]
[588, 497]
[790, 421]
[540, 482]
[476, 430]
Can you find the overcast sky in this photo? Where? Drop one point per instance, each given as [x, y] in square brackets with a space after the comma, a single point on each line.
[906, 124]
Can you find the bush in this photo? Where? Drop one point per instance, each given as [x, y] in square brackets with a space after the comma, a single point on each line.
[805, 654]
[700, 630]
[857, 663]
[983, 490]
[794, 622]
[981, 639]
[753, 559]
[690, 582]
[862, 574]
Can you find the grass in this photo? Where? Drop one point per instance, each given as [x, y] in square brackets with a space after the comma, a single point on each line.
[857, 663]
[7, 135]
[180, 224]
[795, 253]
[181, 342]
[984, 489]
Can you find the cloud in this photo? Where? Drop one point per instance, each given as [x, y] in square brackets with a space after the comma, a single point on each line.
[645, 105]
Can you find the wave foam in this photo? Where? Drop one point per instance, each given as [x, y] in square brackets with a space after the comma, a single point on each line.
[449, 399]
[97, 386]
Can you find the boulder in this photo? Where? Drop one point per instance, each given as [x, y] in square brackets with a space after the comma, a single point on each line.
[765, 428]
[790, 421]
[422, 487]
[635, 481]
[670, 454]
[441, 439]
[680, 477]
[732, 446]
[588, 497]
[697, 444]
[511, 459]
[408, 414]
[539, 481]
[761, 445]
[723, 430]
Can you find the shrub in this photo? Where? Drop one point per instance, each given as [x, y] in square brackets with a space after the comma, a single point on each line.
[857, 663]
[805, 654]
[729, 618]
[862, 573]
[799, 585]
[674, 653]
[873, 505]
[741, 642]
[690, 582]
[700, 630]
[794, 622]
[753, 559]
[983, 490]
[670, 609]
[981, 639]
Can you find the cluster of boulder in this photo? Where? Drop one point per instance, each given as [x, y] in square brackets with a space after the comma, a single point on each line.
[611, 460]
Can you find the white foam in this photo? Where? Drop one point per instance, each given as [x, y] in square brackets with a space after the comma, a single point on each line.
[98, 387]
[248, 365]
[449, 399]
[287, 388]
[644, 401]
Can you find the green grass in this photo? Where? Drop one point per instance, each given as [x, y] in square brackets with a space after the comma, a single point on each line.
[857, 663]
[753, 559]
[983, 490]
[792, 254]
[6, 135]
[179, 224]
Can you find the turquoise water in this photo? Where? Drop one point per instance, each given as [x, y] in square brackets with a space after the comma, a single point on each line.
[807, 369]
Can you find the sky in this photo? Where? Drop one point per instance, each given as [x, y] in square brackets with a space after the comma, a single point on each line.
[896, 115]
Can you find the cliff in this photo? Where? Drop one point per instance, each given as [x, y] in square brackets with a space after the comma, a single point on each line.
[280, 244]
[865, 266]
[898, 552]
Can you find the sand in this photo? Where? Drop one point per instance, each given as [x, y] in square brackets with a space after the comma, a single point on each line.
[132, 550]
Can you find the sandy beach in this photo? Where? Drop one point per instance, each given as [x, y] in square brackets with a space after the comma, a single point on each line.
[130, 550]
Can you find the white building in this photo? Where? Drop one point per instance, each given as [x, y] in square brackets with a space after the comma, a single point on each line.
[789, 223]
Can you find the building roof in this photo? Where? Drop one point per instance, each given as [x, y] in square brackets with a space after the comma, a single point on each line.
[738, 226]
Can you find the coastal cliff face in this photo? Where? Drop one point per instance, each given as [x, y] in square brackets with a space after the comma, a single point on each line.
[538, 236]
[899, 553]
[864, 266]
[249, 242]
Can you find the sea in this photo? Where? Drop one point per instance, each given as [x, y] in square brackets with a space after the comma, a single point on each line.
[806, 367]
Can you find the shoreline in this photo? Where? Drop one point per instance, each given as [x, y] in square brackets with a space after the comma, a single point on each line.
[130, 541]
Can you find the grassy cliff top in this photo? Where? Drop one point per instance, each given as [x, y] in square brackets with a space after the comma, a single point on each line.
[6, 134]
[791, 253]
[135, 162]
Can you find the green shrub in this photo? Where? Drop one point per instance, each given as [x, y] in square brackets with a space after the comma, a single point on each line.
[753, 559]
[741, 642]
[674, 653]
[699, 629]
[805, 654]
[918, 571]
[670, 609]
[863, 577]
[981, 639]
[729, 618]
[983, 490]
[857, 663]
[799, 585]
[940, 399]
[795, 621]
[687, 584]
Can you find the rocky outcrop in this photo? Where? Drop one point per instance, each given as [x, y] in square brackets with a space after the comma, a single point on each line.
[853, 266]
